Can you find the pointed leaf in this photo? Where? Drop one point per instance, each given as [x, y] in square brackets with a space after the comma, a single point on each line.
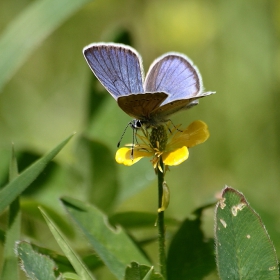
[35, 23]
[36, 266]
[21, 182]
[75, 260]
[243, 247]
[113, 246]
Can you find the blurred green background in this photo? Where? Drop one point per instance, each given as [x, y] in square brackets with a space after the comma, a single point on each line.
[235, 45]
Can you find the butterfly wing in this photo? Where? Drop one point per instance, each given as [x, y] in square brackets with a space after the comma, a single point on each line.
[140, 106]
[117, 67]
[172, 107]
[176, 75]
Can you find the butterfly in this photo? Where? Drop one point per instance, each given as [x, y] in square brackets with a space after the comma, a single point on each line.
[172, 83]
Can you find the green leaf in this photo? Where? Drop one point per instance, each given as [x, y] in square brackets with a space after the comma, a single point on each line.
[10, 262]
[21, 182]
[141, 272]
[63, 264]
[75, 260]
[36, 266]
[29, 29]
[190, 255]
[243, 247]
[113, 246]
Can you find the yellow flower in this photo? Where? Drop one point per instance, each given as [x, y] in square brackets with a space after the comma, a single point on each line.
[173, 149]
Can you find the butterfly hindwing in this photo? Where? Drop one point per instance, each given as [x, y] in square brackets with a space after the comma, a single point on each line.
[174, 106]
[117, 67]
[140, 106]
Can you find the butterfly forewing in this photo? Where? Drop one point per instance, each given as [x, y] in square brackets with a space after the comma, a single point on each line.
[174, 74]
[140, 106]
[117, 67]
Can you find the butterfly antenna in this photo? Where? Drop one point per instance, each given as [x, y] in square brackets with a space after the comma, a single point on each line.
[119, 143]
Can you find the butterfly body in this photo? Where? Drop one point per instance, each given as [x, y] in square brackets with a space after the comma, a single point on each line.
[172, 83]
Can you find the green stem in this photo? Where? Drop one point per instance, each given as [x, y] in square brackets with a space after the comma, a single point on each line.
[161, 226]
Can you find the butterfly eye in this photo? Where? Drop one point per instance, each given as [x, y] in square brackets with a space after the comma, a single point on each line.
[138, 123]
[135, 124]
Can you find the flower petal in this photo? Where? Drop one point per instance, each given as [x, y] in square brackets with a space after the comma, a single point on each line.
[175, 157]
[199, 133]
[196, 133]
[123, 156]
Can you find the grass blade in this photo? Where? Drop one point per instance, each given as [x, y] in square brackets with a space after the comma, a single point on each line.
[75, 260]
[11, 191]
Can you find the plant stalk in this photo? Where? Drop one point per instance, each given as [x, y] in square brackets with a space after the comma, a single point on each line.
[161, 226]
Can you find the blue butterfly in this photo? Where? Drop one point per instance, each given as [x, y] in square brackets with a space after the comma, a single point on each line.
[172, 83]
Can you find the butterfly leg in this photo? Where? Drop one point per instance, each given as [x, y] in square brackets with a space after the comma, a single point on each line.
[169, 120]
